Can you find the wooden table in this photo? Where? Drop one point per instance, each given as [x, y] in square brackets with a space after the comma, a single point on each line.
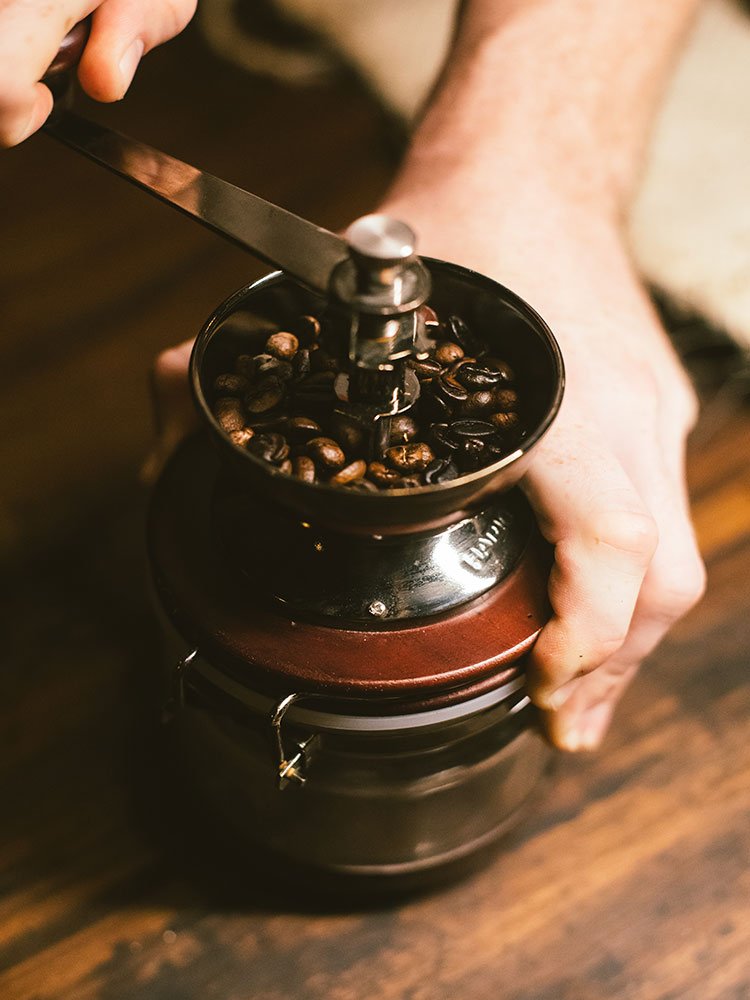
[631, 877]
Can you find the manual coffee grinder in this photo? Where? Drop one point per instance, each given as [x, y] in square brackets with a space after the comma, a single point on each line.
[346, 668]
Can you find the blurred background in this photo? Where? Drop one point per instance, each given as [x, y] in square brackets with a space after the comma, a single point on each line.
[95, 279]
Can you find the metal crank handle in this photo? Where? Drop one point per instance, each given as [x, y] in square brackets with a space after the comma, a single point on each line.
[306, 252]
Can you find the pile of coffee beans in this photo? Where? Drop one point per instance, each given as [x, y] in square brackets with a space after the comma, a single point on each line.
[279, 404]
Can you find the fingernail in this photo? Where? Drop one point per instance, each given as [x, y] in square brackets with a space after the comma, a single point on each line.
[129, 63]
[553, 698]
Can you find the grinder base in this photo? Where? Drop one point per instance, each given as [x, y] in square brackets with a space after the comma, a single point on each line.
[415, 746]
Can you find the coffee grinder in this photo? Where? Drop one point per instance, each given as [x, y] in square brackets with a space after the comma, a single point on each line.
[346, 669]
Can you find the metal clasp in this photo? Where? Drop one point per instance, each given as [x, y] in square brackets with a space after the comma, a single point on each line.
[176, 699]
[290, 767]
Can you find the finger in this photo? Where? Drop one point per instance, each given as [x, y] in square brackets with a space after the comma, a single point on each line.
[674, 583]
[174, 413]
[122, 32]
[604, 539]
[30, 35]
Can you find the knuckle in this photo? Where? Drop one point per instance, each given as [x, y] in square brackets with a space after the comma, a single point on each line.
[670, 591]
[631, 530]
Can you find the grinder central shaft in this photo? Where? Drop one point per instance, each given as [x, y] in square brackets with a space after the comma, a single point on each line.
[382, 283]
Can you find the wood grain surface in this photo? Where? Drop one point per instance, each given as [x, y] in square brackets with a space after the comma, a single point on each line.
[631, 879]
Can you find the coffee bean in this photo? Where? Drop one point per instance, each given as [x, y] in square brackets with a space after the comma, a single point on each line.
[466, 415]
[347, 432]
[245, 366]
[303, 468]
[463, 429]
[403, 428]
[440, 470]
[309, 329]
[382, 475]
[506, 421]
[501, 367]
[228, 413]
[230, 385]
[282, 345]
[475, 376]
[271, 447]
[451, 389]
[322, 361]
[479, 401]
[301, 364]
[447, 352]
[350, 473]
[410, 457]
[301, 429]
[326, 452]
[443, 438]
[505, 399]
[359, 486]
[425, 368]
[264, 395]
[242, 436]
[459, 332]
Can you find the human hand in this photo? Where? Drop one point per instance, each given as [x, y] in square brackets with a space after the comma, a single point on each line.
[31, 31]
[607, 483]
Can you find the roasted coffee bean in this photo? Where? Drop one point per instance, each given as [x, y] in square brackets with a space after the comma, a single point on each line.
[506, 421]
[443, 438]
[282, 345]
[382, 475]
[303, 468]
[245, 366]
[447, 352]
[242, 436]
[424, 367]
[463, 429]
[264, 395]
[347, 432]
[410, 457]
[433, 408]
[451, 389]
[350, 473]
[479, 401]
[459, 332]
[441, 470]
[322, 361]
[316, 389]
[475, 376]
[228, 413]
[326, 452]
[466, 415]
[267, 364]
[230, 385]
[301, 429]
[472, 451]
[301, 364]
[501, 367]
[359, 486]
[269, 446]
[505, 399]
[309, 329]
[403, 428]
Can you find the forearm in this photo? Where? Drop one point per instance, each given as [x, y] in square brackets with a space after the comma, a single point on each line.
[555, 94]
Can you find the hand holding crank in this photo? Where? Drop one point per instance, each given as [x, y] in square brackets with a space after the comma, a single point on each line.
[31, 32]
